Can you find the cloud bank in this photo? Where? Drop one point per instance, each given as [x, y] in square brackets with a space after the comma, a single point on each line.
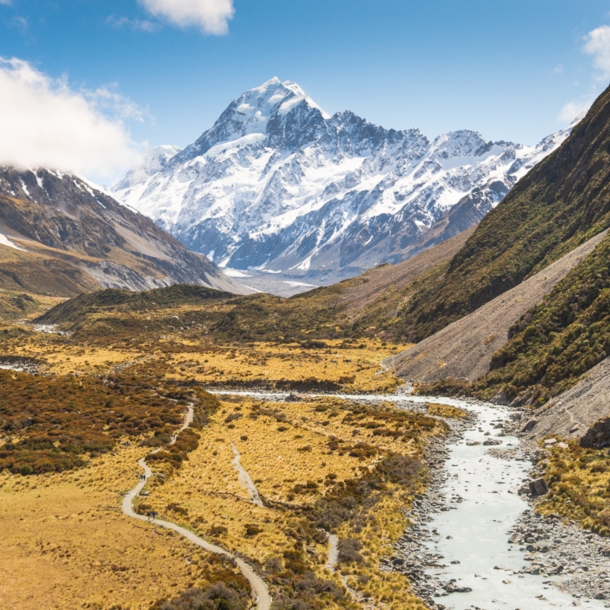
[45, 123]
[574, 111]
[597, 44]
[212, 16]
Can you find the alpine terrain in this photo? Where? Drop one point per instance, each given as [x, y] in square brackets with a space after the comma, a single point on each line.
[61, 235]
[277, 188]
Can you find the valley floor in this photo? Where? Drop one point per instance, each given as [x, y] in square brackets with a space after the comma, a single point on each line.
[308, 467]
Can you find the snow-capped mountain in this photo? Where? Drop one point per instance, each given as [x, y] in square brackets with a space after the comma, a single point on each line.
[278, 185]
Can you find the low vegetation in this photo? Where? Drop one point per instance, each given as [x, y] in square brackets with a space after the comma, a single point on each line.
[53, 424]
[561, 338]
[579, 481]
[226, 589]
[552, 345]
[114, 387]
[66, 542]
[319, 466]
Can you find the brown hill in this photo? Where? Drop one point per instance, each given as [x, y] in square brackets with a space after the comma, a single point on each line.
[367, 305]
[60, 236]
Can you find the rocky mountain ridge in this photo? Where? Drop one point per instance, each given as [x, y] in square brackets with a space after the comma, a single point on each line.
[278, 186]
[62, 235]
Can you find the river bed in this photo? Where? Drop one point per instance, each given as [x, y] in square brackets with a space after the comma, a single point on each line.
[469, 535]
[482, 492]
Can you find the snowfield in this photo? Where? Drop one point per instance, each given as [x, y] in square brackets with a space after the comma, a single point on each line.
[279, 185]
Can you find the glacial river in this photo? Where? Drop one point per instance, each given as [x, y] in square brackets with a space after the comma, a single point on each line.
[475, 532]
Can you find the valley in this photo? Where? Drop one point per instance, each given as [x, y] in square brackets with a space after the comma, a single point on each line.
[430, 432]
[300, 436]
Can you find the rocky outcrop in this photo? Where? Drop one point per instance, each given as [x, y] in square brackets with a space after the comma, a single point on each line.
[570, 414]
[598, 435]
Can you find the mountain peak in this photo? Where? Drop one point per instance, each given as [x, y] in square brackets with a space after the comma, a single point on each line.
[253, 116]
[273, 96]
[277, 186]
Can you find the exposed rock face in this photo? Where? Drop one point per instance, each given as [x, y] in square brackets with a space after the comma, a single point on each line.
[278, 185]
[530, 425]
[67, 235]
[576, 410]
[598, 435]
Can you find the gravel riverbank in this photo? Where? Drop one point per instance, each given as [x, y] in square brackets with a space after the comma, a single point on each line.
[476, 542]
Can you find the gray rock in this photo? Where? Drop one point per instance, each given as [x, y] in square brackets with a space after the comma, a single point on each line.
[598, 435]
[530, 425]
[538, 487]
[492, 441]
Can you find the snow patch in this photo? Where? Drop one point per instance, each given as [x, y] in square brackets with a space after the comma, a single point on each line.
[5, 241]
[235, 272]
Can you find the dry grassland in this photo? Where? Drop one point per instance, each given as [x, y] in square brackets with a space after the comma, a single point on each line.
[66, 544]
[324, 464]
[296, 454]
[579, 481]
[352, 369]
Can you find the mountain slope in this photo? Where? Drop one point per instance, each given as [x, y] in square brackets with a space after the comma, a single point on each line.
[363, 307]
[560, 339]
[560, 204]
[61, 235]
[278, 186]
[465, 348]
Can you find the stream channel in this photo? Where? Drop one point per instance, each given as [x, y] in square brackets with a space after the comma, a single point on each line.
[470, 534]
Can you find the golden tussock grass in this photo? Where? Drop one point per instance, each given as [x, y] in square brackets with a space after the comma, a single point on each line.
[579, 481]
[441, 410]
[295, 454]
[66, 543]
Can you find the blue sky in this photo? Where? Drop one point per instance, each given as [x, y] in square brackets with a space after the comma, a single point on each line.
[506, 69]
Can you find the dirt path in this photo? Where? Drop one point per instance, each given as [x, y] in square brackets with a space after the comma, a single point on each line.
[333, 552]
[245, 480]
[259, 588]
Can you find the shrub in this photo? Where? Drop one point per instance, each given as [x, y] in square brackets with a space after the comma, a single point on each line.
[216, 597]
[348, 551]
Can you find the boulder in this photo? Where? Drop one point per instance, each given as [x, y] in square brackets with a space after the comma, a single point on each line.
[530, 425]
[451, 587]
[598, 435]
[500, 399]
[538, 487]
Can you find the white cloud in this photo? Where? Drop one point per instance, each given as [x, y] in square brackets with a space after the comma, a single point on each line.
[574, 111]
[45, 123]
[212, 16]
[142, 25]
[597, 44]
